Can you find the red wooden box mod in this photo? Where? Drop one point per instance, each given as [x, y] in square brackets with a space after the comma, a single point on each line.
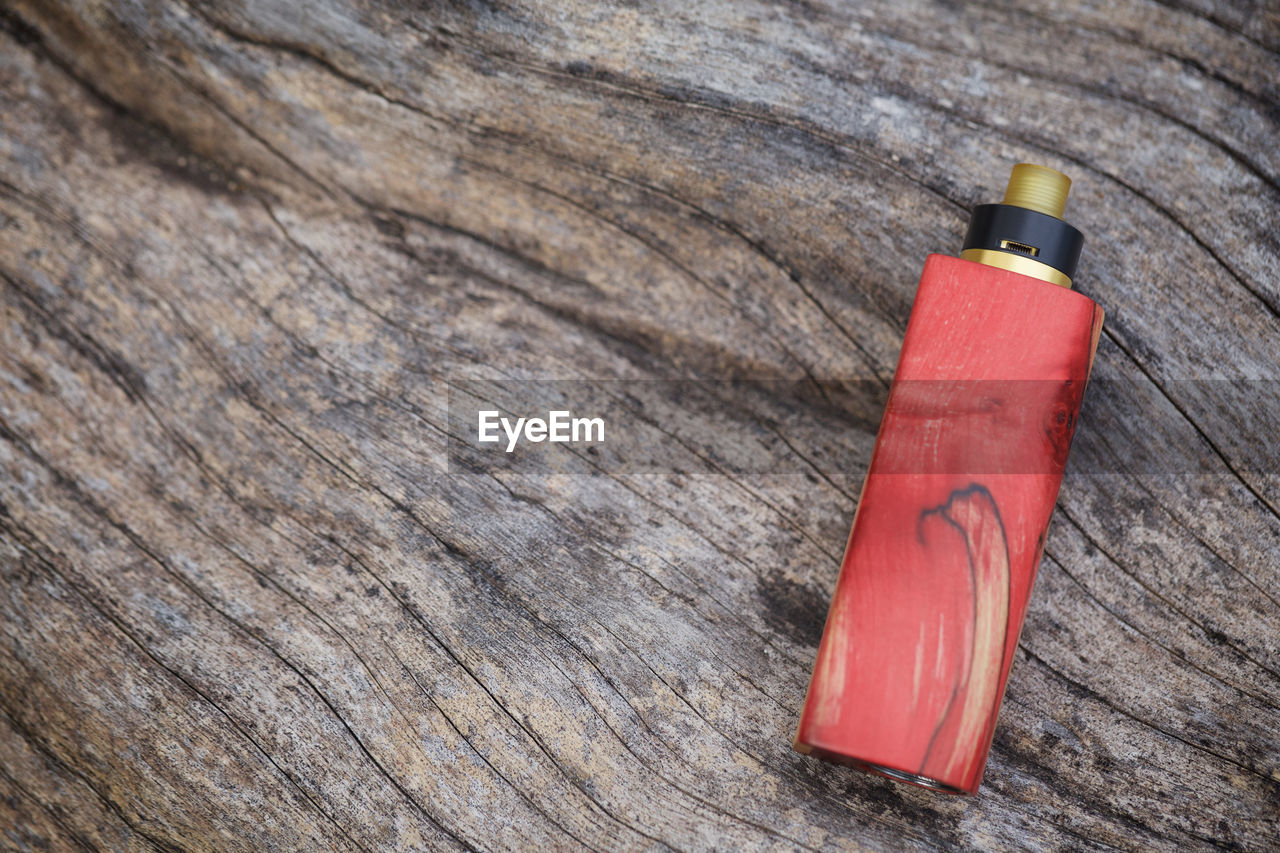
[950, 527]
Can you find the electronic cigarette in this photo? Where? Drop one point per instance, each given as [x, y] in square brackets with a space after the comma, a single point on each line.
[951, 523]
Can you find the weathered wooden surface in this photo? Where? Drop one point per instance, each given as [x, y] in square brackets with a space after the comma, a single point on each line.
[244, 247]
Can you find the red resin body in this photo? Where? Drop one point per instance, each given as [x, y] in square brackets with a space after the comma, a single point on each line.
[950, 526]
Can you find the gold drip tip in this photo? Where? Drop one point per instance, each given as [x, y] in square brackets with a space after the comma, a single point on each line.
[1038, 188]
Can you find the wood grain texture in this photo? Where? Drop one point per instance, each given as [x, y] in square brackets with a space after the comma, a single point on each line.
[245, 248]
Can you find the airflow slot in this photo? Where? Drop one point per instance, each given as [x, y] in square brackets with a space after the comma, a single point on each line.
[1014, 246]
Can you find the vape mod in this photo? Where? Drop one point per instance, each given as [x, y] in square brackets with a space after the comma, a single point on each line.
[951, 524]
